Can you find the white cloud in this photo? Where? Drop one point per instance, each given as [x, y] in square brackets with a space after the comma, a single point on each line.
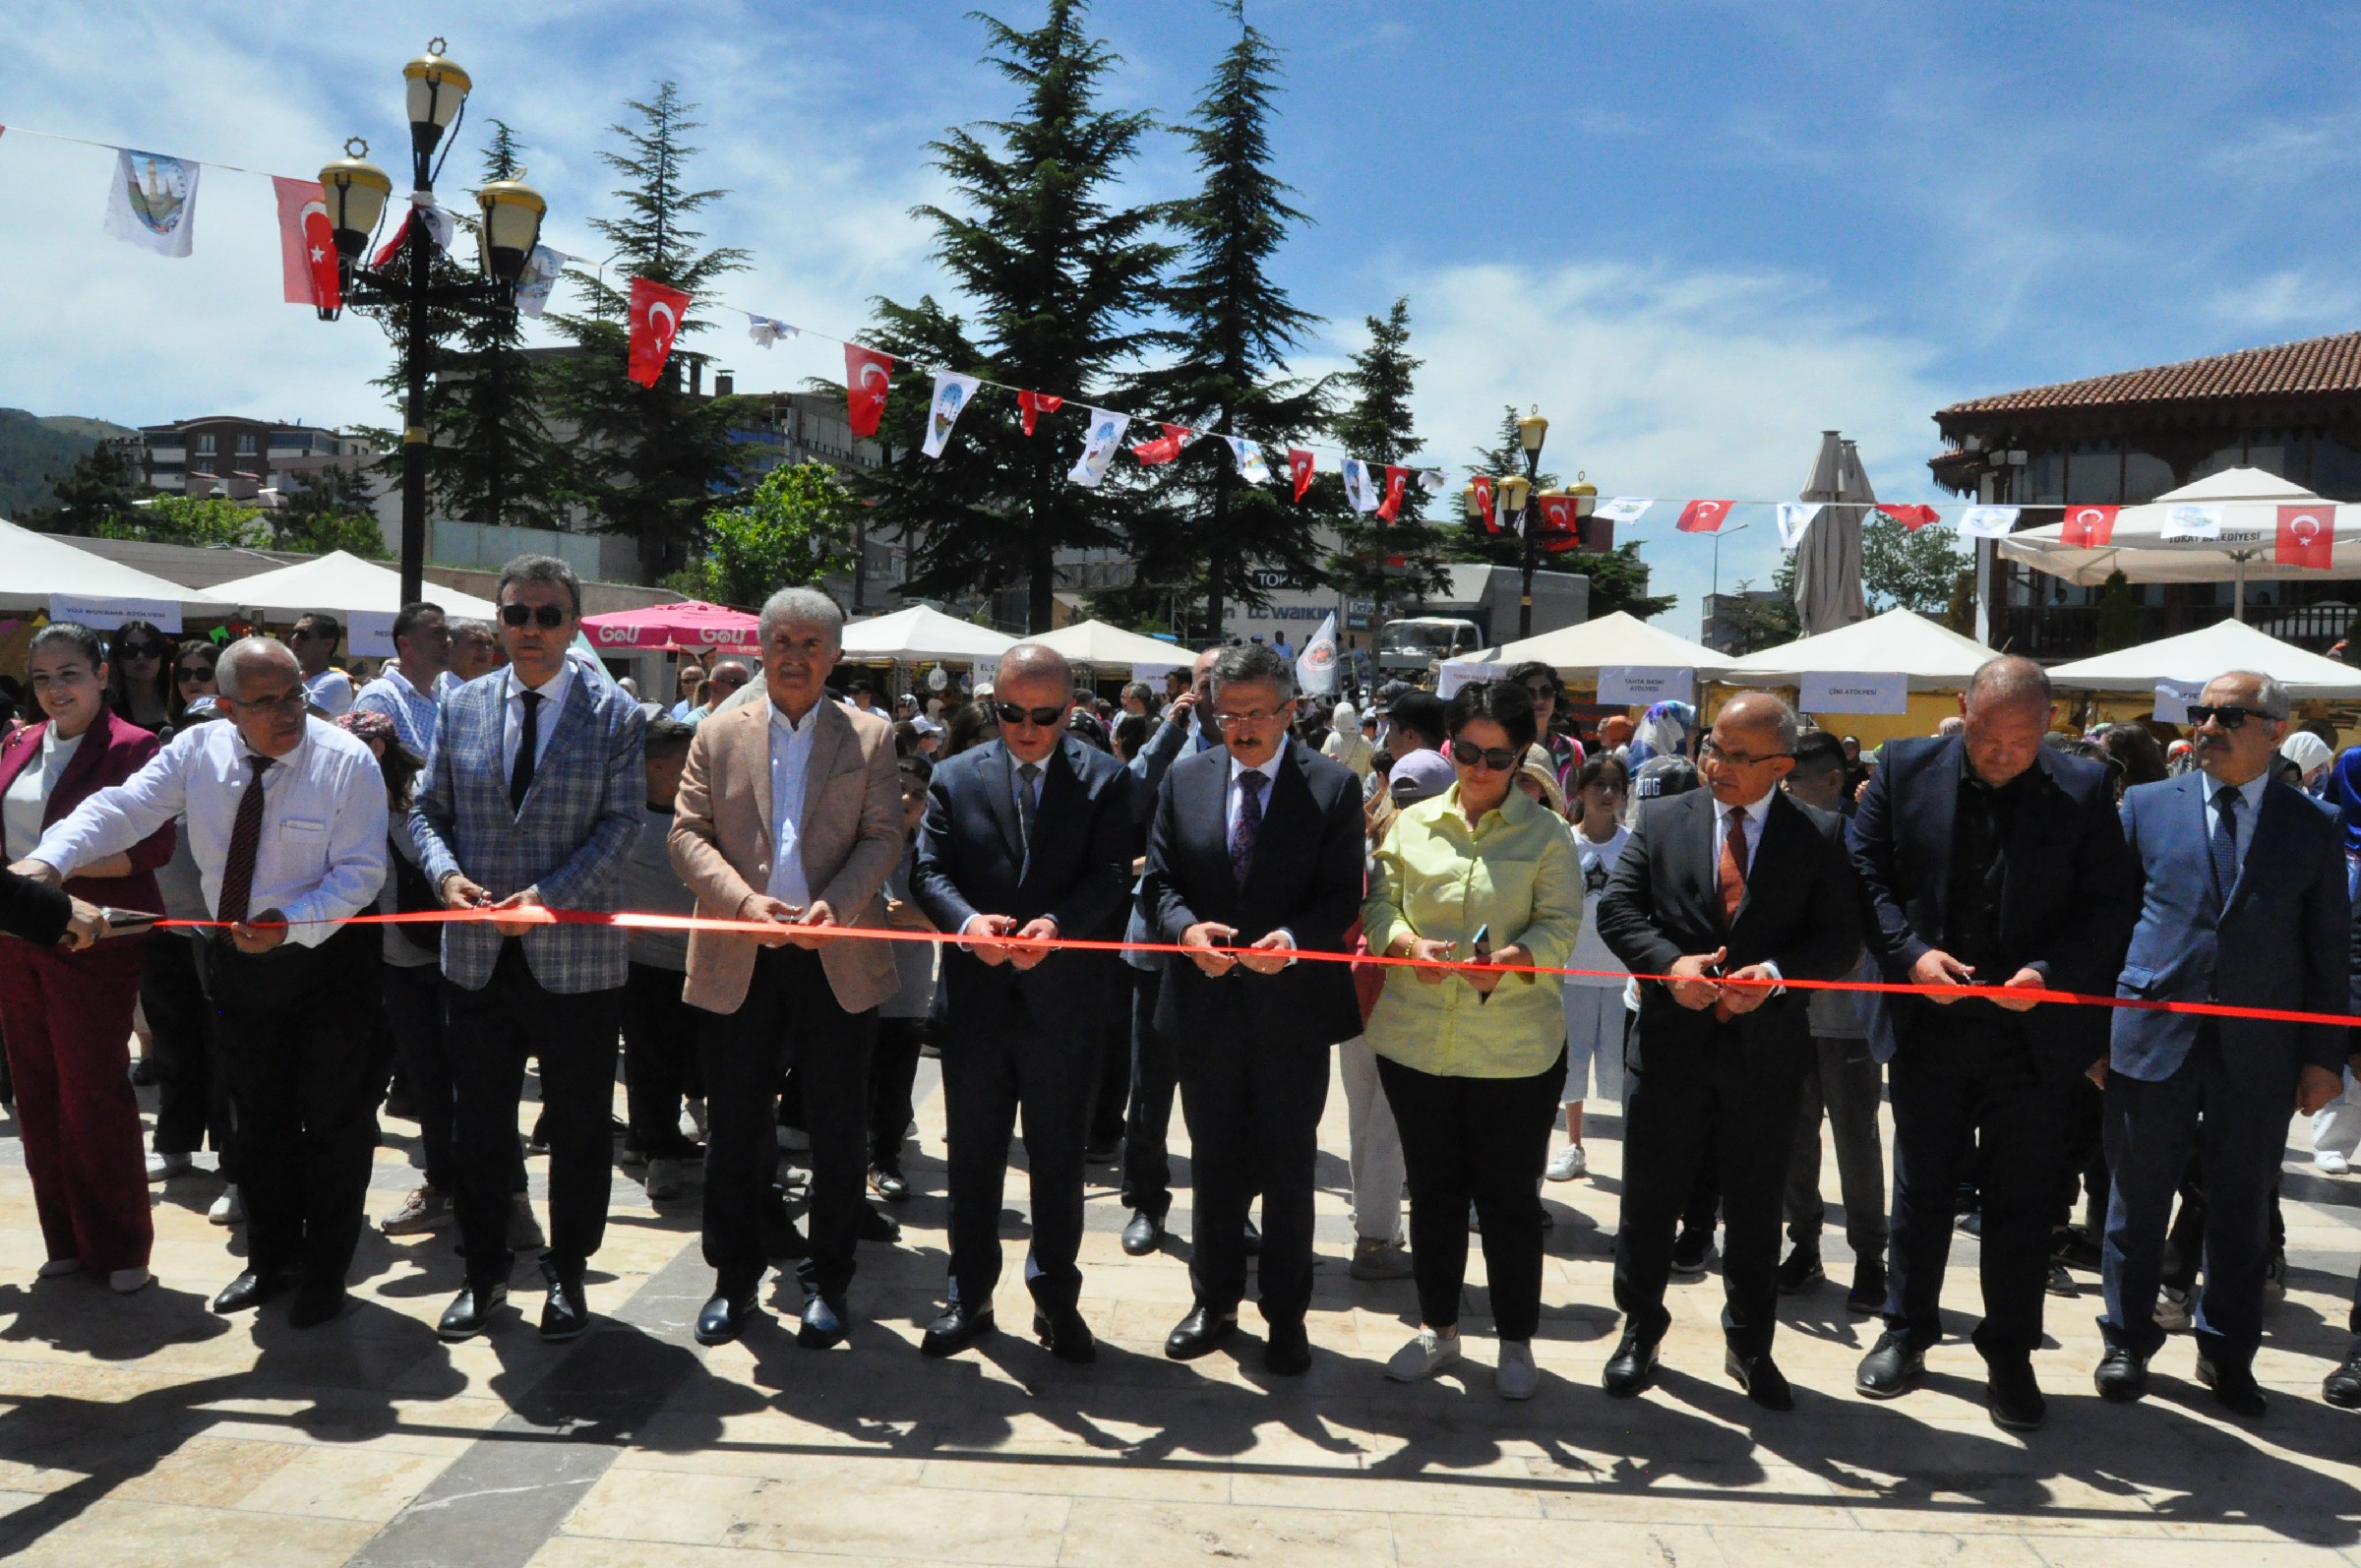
[2285, 300]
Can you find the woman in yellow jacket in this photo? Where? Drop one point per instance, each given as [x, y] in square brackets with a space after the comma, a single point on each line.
[1470, 1061]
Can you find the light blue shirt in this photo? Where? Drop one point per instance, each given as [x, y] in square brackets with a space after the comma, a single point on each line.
[545, 723]
[411, 710]
[2250, 795]
[1237, 797]
[790, 763]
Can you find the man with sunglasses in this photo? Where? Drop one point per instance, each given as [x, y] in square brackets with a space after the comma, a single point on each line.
[314, 643]
[2245, 903]
[532, 799]
[1026, 839]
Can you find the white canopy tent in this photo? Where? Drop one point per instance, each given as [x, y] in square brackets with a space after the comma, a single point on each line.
[1580, 651]
[2195, 657]
[1105, 646]
[51, 574]
[921, 634]
[362, 594]
[1902, 643]
[2150, 543]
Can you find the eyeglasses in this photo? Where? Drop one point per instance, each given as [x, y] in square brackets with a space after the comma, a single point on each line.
[1467, 754]
[143, 650]
[548, 617]
[2229, 717]
[1038, 718]
[1247, 721]
[194, 672]
[293, 700]
[1713, 747]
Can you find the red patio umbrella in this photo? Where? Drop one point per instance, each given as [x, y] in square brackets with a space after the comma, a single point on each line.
[690, 626]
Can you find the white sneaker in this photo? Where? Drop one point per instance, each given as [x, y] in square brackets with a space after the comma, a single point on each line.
[1515, 1378]
[165, 1166]
[1427, 1354]
[2331, 1163]
[666, 1178]
[2175, 1312]
[423, 1210]
[1377, 1259]
[1568, 1164]
[226, 1209]
[127, 1281]
[57, 1268]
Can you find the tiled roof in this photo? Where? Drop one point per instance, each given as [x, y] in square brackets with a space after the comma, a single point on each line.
[2316, 365]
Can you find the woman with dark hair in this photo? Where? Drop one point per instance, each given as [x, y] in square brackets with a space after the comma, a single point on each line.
[971, 726]
[139, 684]
[1541, 683]
[192, 677]
[1471, 1062]
[67, 1015]
[2136, 752]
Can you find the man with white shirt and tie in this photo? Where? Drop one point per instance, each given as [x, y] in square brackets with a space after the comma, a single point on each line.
[286, 821]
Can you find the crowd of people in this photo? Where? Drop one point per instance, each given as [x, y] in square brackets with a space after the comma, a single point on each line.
[1489, 916]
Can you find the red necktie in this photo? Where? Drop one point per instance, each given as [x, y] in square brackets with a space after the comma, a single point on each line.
[1733, 871]
[245, 842]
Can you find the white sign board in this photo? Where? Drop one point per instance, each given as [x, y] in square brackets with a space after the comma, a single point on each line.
[369, 633]
[105, 614]
[1640, 684]
[1856, 694]
[2173, 699]
[1456, 672]
[1152, 673]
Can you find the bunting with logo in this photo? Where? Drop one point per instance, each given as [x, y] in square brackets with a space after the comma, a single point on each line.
[1031, 405]
[1105, 440]
[1624, 509]
[1299, 465]
[1251, 466]
[1703, 516]
[1989, 522]
[1360, 490]
[768, 330]
[952, 393]
[1431, 481]
[657, 311]
[539, 280]
[1315, 666]
[1795, 516]
[153, 203]
[868, 377]
[2191, 520]
[307, 248]
[2307, 537]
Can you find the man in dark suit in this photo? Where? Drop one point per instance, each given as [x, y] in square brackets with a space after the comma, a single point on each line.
[1987, 859]
[1026, 838]
[2245, 903]
[1730, 890]
[1258, 846]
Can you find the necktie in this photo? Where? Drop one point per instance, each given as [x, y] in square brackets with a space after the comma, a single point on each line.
[2224, 842]
[245, 840]
[528, 741]
[1027, 807]
[1732, 876]
[1249, 825]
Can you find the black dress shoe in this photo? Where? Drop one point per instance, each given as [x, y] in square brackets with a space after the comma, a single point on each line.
[1691, 1249]
[888, 1182]
[2342, 1387]
[1287, 1351]
[1200, 1333]
[725, 1318]
[1253, 1240]
[823, 1321]
[2234, 1386]
[955, 1330]
[250, 1289]
[2122, 1376]
[2013, 1397]
[1868, 1293]
[1801, 1267]
[1761, 1378]
[875, 1225]
[1632, 1369]
[1102, 1153]
[565, 1315]
[1144, 1235]
[1891, 1369]
[471, 1312]
[315, 1305]
[1064, 1335]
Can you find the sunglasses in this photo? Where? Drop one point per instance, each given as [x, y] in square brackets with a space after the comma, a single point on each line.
[2228, 717]
[1541, 693]
[1038, 718]
[143, 650]
[548, 617]
[194, 672]
[1467, 754]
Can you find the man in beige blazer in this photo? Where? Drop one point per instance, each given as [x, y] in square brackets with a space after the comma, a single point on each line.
[790, 811]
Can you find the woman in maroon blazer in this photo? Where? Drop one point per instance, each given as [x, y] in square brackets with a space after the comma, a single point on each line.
[67, 1015]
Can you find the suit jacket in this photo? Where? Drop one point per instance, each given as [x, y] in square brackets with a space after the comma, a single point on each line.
[1307, 878]
[1801, 911]
[971, 861]
[112, 750]
[2066, 909]
[2279, 941]
[569, 839]
[850, 837]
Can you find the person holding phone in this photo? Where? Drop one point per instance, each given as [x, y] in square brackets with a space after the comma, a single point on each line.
[1472, 1059]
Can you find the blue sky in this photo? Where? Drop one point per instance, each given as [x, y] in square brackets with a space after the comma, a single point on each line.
[1694, 234]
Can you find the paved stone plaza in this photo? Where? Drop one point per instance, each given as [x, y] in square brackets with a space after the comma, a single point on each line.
[150, 1431]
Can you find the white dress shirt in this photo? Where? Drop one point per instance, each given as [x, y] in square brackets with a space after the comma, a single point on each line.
[321, 857]
[2250, 795]
[331, 692]
[790, 767]
[545, 723]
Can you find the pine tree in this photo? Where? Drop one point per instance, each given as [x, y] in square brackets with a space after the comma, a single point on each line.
[1378, 426]
[1061, 281]
[98, 488]
[1233, 330]
[653, 461]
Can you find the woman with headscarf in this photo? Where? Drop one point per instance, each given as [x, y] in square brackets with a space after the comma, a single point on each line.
[2311, 755]
[1346, 744]
[1664, 732]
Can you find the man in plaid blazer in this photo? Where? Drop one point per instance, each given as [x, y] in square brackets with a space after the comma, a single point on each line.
[533, 798]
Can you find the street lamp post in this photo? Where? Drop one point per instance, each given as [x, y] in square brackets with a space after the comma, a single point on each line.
[1532, 431]
[355, 193]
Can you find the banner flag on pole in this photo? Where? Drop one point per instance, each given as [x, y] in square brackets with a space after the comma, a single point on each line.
[2307, 537]
[1299, 465]
[656, 312]
[1795, 516]
[1988, 522]
[306, 250]
[768, 330]
[1397, 480]
[1315, 666]
[1703, 516]
[868, 377]
[2088, 528]
[1625, 508]
[1560, 517]
[1106, 438]
[440, 227]
[542, 271]
[2189, 522]
[153, 203]
[1251, 466]
[1483, 484]
[952, 393]
[1032, 405]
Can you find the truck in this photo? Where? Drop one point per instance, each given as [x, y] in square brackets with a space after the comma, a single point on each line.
[1476, 608]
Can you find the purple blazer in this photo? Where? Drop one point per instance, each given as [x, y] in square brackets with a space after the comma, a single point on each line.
[112, 750]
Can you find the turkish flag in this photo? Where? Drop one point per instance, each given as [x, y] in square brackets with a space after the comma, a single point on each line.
[1559, 516]
[1032, 405]
[868, 377]
[1299, 468]
[307, 249]
[1164, 448]
[656, 312]
[1911, 517]
[1396, 481]
[2307, 537]
[1481, 484]
[2088, 528]
[1704, 517]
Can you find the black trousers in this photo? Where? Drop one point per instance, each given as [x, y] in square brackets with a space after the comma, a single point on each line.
[1111, 1083]
[192, 1094]
[306, 1094]
[489, 1033]
[1848, 1083]
[1970, 1101]
[1480, 1141]
[660, 1060]
[892, 1077]
[1042, 1067]
[414, 1013]
[1253, 1125]
[790, 1016]
[1739, 1112]
[1147, 1125]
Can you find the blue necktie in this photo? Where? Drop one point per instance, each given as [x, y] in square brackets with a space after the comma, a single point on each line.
[1249, 825]
[2224, 843]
